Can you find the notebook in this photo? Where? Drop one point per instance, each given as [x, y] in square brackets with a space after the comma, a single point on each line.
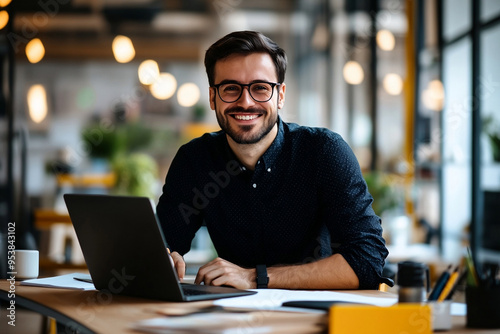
[125, 250]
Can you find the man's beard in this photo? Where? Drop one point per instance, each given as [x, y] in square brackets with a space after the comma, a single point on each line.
[242, 134]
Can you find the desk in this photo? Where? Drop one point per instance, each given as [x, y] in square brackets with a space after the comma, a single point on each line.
[86, 311]
[95, 312]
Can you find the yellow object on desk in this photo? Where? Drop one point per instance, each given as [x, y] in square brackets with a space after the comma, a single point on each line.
[449, 285]
[406, 318]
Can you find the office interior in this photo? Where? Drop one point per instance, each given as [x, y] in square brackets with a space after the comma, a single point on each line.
[98, 95]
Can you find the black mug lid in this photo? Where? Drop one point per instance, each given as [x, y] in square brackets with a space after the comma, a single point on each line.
[412, 274]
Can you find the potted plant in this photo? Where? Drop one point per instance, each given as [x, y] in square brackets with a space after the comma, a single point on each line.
[122, 147]
[387, 204]
[384, 195]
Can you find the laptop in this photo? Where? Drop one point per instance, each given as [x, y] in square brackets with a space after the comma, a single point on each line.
[125, 250]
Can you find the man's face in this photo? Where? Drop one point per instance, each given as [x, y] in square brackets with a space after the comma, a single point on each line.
[245, 120]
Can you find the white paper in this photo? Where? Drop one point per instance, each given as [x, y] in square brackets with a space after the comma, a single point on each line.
[228, 322]
[67, 281]
[459, 309]
[260, 319]
[271, 299]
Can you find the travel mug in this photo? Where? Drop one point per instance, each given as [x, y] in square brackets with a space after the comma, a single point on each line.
[413, 282]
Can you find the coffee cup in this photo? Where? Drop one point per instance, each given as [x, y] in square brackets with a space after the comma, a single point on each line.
[26, 264]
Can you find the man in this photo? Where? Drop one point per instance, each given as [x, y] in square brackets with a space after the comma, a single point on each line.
[285, 206]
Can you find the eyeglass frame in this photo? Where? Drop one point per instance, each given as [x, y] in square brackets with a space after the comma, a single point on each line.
[273, 84]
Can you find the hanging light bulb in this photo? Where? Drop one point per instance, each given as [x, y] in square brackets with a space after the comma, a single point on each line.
[4, 3]
[35, 50]
[4, 19]
[188, 94]
[393, 84]
[123, 49]
[385, 40]
[148, 72]
[433, 96]
[353, 73]
[164, 87]
[37, 103]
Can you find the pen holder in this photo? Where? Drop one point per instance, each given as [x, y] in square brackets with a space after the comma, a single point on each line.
[441, 315]
[483, 309]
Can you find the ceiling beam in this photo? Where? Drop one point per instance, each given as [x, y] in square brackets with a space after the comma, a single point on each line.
[159, 49]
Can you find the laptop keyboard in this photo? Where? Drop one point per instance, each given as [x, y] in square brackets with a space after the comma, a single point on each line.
[193, 292]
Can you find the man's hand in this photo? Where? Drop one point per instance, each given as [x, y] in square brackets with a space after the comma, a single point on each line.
[221, 272]
[330, 273]
[178, 263]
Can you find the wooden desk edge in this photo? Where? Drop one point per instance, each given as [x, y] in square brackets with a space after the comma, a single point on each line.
[81, 310]
[69, 323]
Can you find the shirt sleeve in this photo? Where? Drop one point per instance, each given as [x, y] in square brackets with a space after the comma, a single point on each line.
[179, 209]
[355, 229]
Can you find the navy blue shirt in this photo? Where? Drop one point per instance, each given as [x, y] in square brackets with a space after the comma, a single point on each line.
[305, 200]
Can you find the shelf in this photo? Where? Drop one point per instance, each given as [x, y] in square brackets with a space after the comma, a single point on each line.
[45, 218]
[50, 265]
[107, 180]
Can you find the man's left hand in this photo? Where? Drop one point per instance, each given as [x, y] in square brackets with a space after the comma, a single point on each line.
[221, 272]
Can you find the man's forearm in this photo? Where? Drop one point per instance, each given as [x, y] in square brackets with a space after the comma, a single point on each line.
[329, 273]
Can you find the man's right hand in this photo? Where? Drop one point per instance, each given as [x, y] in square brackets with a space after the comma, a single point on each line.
[178, 264]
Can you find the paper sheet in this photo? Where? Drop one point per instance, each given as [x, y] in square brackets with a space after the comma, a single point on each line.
[459, 309]
[67, 281]
[263, 314]
[271, 299]
[254, 322]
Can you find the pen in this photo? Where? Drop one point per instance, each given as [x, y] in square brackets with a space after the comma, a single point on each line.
[491, 270]
[460, 279]
[86, 280]
[449, 285]
[440, 283]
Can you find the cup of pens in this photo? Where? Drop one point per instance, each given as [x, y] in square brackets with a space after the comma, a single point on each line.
[482, 296]
[440, 298]
[483, 306]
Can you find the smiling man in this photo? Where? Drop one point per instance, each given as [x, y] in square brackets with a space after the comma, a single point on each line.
[286, 206]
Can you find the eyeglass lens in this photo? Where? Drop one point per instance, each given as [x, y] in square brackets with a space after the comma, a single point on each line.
[259, 91]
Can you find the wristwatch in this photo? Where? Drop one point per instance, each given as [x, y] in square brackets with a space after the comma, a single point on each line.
[262, 278]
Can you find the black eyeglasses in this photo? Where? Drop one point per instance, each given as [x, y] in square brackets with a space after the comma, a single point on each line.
[260, 91]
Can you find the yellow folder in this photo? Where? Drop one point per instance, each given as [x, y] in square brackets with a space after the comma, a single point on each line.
[405, 318]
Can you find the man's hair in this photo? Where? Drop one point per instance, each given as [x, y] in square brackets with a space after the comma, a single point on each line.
[244, 43]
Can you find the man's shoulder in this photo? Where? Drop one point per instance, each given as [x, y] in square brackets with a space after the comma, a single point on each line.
[208, 141]
[309, 133]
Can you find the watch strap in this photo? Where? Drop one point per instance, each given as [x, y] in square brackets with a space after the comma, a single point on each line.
[262, 278]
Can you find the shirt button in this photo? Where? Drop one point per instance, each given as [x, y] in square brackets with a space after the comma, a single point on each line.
[269, 170]
[244, 168]
[258, 162]
[254, 185]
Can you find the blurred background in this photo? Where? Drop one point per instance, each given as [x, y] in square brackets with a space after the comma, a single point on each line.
[98, 95]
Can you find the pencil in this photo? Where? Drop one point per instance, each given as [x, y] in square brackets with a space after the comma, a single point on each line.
[460, 279]
[449, 285]
[472, 278]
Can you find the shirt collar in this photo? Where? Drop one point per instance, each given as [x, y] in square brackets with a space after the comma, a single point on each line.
[269, 157]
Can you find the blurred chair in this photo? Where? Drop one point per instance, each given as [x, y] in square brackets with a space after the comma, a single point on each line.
[60, 248]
